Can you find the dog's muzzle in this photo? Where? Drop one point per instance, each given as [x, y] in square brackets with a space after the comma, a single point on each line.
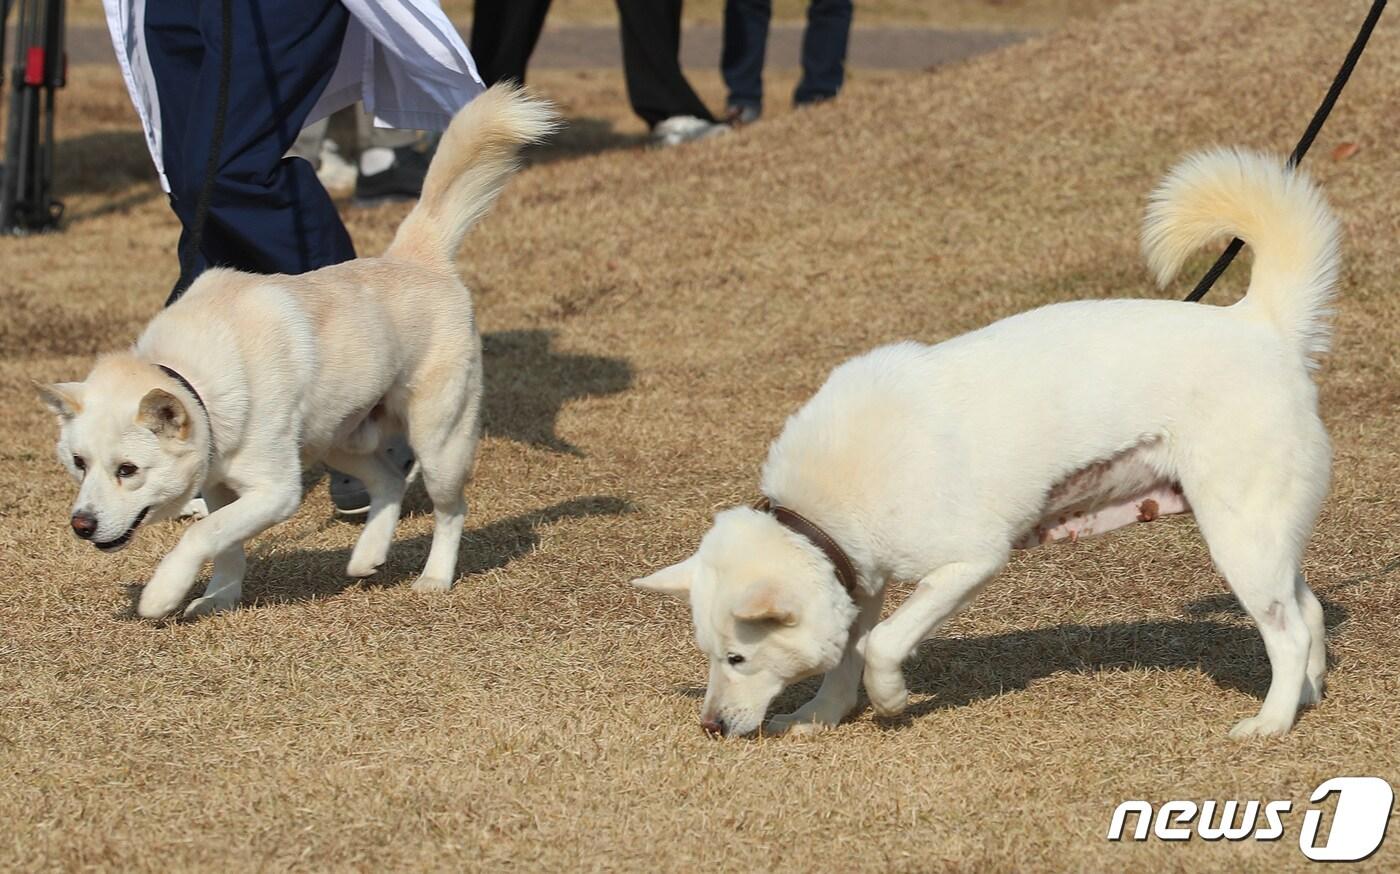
[118, 543]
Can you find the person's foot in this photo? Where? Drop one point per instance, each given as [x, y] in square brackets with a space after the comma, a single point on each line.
[349, 495]
[812, 100]
[401, 180]
[680, 129]
[738, 114]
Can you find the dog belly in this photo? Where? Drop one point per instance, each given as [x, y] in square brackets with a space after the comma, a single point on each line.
[1120, 491]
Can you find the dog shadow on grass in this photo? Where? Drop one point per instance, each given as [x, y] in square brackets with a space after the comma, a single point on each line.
[955, 672]
[315, 574]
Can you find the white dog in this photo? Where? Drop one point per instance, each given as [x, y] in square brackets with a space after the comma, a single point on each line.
[932, 463]
[248, 378]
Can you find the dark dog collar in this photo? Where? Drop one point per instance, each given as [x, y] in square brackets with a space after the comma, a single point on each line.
[185, 383]
[796, 522]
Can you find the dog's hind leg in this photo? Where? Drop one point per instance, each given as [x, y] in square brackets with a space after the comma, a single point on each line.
[1252, 529]
[225, 588]
[445, 437]
[1317, 653]
[386, 487]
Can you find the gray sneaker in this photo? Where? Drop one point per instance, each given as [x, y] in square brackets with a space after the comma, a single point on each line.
[350, 496]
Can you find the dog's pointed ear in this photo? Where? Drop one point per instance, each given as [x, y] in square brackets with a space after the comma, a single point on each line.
[164, 415]
[675, 580]
[768, 602]
[64, 398]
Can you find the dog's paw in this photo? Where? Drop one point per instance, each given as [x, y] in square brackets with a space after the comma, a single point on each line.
[359, 567]
[209, 605]
[1261, 726]
[155, 605]
[426, 583]
[796, 725]
[886, 690]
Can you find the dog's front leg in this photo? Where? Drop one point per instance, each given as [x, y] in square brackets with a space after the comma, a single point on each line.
[225, 589]
[937, 597]
[841, 685]
[260, 507]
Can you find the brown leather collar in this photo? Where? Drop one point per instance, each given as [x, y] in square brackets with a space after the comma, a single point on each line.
[796, 522]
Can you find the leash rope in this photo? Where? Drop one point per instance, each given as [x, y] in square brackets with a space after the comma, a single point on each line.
[211, 168]
[1318, 120]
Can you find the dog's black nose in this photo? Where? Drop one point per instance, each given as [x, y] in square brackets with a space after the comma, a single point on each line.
[84, 524]
[713, 727]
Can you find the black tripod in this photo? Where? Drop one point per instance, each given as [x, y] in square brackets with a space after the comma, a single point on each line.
[40, 67]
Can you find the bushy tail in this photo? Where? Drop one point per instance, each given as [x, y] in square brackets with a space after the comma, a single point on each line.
[1283, 217]
[477, 154]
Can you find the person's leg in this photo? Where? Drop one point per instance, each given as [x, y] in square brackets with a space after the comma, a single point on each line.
[176, 51]
[651, 43]
[824, 50]
[504, 34]
[741, 60]
[267, 213]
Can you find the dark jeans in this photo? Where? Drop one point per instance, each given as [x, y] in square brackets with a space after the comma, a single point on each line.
[823, 50]
[267, 214]
[504, 34]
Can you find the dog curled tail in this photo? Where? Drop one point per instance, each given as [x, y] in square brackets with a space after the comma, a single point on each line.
[478, 152]
[1283, 217]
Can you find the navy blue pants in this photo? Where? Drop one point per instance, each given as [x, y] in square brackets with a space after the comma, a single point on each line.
[267, 213]
[823, 50]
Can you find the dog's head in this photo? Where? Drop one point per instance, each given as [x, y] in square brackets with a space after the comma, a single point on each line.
[768, 611]
[137, 450]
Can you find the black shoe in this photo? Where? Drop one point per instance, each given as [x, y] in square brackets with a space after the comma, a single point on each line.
[350, 497]
[740, 114]
[402, 181]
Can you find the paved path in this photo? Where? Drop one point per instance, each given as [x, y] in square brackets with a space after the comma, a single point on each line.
[583, 46]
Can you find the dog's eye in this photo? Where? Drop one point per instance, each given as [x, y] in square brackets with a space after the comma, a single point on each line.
[79, 463]
[736, 659]
[125, 470]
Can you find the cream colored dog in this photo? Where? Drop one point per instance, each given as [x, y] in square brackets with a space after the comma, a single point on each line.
[932, 463]
[248, 378]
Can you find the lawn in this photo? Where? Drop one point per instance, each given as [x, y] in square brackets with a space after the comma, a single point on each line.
[989, 14]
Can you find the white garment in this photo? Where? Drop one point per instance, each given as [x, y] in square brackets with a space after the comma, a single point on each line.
[403, 58]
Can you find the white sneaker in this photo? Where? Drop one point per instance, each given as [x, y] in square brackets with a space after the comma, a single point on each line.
[680, 129]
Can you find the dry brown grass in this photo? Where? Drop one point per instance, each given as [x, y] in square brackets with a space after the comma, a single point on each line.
[651, 320]
[994, 14]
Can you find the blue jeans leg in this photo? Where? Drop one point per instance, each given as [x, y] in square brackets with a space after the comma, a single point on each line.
[745, 43]
[824, 50]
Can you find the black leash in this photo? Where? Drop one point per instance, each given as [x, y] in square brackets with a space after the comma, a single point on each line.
[1318, 120]
[190, 258]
